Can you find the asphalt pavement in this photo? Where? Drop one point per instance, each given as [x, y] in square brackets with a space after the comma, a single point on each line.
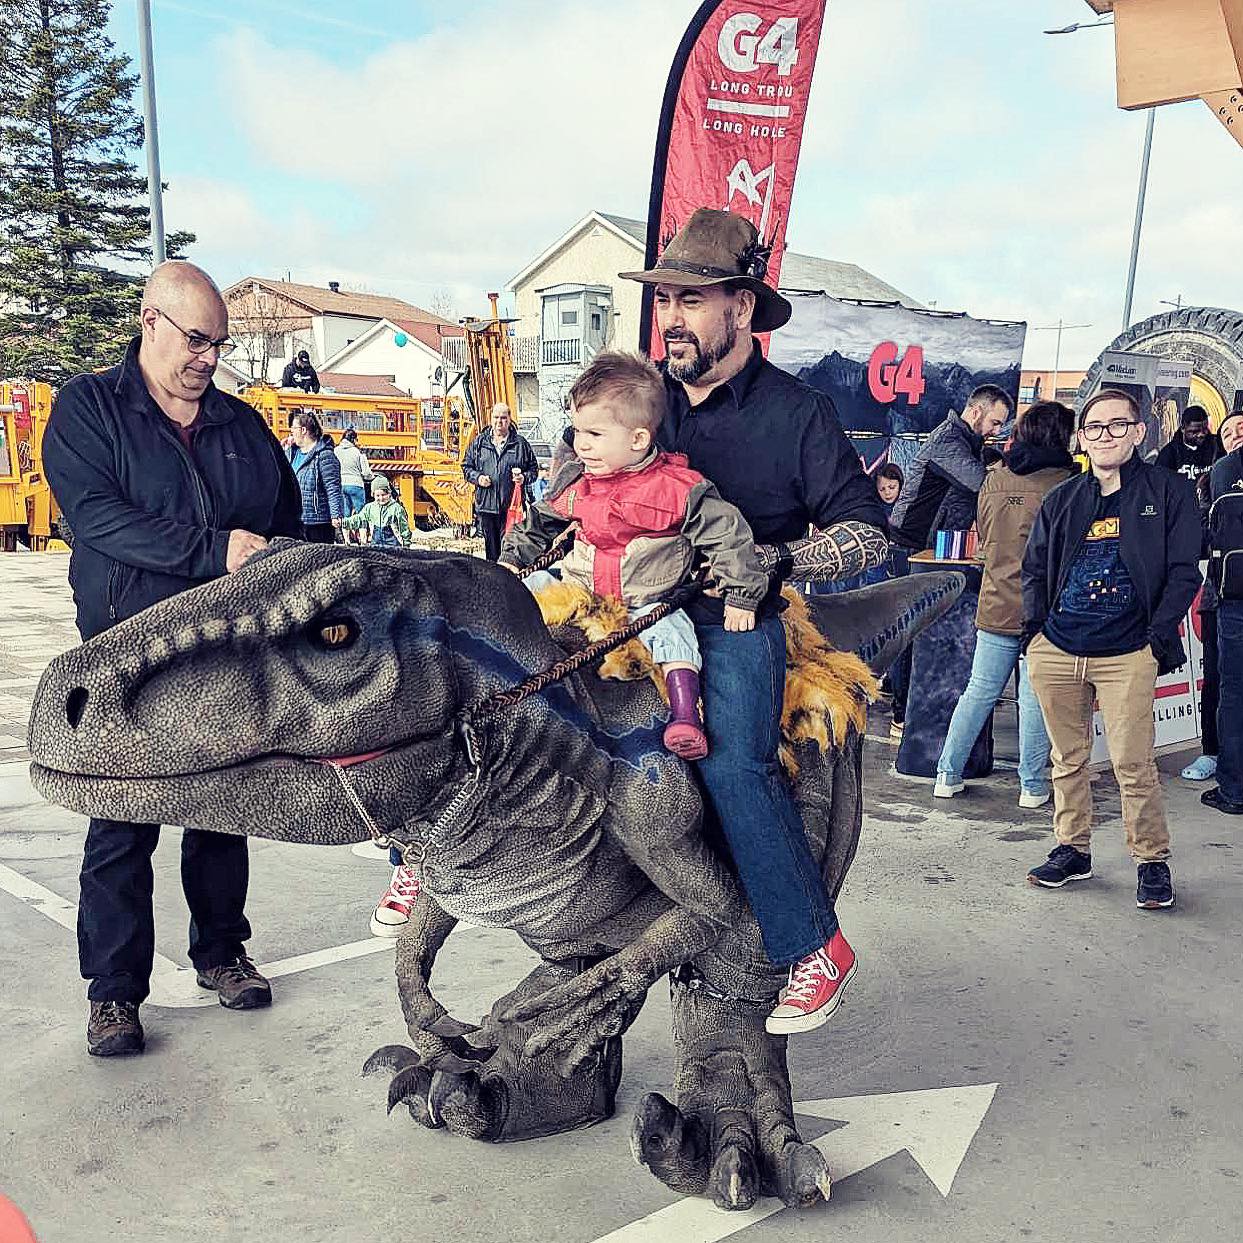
[1010, 1063]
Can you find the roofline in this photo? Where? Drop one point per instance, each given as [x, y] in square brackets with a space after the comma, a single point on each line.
[375, 329]
[565, 239]
[269, 286]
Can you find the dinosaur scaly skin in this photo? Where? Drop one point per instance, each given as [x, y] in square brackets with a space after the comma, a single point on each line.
[313, 696]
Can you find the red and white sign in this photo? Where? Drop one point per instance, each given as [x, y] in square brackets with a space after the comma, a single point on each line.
[1176, 701]
[732, 122]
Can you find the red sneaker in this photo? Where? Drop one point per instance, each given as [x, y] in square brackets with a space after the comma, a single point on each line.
[393, 913]
[815, 989]
[685, 740]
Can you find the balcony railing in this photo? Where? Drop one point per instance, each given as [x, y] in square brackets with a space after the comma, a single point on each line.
[560, 353]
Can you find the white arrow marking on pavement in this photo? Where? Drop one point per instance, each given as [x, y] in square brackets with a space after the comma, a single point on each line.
[935, 1126]
[172, 986]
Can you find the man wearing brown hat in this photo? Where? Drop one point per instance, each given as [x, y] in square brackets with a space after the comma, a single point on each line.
[774, 448]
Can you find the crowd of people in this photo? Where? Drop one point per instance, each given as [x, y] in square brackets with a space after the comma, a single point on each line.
[717, 454]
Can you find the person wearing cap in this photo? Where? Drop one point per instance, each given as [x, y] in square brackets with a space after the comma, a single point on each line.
[299, 373]
[774, 449]
[383, 518]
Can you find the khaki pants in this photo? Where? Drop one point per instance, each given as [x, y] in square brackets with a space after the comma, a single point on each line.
[1123, 686]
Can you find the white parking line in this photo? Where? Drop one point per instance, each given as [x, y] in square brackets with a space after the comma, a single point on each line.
[172, 986]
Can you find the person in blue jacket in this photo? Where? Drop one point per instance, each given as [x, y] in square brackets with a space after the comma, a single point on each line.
[167, 483]
[315, 463]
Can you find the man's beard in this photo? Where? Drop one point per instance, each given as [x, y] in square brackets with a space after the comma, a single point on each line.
[704, 360]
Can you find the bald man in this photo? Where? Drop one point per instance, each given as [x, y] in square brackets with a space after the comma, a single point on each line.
[167, 483]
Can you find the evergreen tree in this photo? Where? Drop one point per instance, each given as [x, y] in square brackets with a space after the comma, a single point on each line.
[73, 208]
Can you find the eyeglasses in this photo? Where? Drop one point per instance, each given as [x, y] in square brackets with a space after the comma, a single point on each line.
[196, 341]
[1117, 428]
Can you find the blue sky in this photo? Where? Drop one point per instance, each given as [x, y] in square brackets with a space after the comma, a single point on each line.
[430, 151]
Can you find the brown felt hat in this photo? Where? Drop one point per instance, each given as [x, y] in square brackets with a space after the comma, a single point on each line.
[715, 247]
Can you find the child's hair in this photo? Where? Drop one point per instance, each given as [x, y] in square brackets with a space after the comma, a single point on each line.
[891, 470]
[629, 383]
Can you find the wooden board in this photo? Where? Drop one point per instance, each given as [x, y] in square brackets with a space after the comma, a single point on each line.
[1171, 50]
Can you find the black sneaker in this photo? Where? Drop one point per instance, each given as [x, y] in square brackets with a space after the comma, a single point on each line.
[239, 984]
[113, 1029]
[1156, 889]
[1065, 863]
[1215, 799]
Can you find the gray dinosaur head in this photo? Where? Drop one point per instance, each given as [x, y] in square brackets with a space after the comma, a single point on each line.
[219, 707]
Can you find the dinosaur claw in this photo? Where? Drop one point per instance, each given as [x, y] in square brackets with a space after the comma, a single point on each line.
[391, 1057]
[803, 1176]
[411, 1085]
[734, 1183]
[446, 1027]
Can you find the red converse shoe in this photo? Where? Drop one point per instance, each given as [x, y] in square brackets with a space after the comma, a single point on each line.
[815, 989]
[393, 913]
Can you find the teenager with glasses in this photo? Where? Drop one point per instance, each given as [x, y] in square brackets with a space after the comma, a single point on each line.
[1111, 568]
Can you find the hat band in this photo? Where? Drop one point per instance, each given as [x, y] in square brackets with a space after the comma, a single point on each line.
[701, 269]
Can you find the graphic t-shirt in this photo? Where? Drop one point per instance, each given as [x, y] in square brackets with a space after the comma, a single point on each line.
[1098, 612]
[1190, 463]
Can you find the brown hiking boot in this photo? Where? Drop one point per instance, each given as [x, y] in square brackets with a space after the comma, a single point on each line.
[238, 984]
[113, 1029]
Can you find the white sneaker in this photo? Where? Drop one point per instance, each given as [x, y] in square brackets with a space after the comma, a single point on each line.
[1028, 799]
[393, 913]
[947, 789]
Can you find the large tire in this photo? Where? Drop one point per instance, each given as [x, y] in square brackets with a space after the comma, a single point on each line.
[1208, 337]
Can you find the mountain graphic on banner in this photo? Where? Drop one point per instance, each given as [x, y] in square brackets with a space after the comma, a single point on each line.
[947, 388]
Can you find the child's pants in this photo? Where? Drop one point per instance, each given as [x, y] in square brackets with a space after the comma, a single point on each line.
[671, 640]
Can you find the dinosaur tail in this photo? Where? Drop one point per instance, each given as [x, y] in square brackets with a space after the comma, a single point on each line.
[878, 622]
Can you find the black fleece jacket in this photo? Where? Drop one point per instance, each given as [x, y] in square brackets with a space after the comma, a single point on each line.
[149, 517]
[1159, 545]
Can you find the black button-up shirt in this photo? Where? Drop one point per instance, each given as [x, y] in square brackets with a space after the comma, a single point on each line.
[774, 448]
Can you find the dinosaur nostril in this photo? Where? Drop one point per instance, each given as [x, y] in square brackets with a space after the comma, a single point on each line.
[75, 705]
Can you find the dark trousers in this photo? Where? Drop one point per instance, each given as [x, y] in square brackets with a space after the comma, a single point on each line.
[1230, 703]
[320, 532]
[750, 800]
[1209, 691]
[116, 923]
[491, 527]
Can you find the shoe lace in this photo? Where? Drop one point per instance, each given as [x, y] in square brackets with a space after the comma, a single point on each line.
[805, 976]
[117, 1012]
[240, 971]
[405, 884]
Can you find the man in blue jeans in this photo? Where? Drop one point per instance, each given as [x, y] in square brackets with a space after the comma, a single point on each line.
[1225, 584]
[774, 448]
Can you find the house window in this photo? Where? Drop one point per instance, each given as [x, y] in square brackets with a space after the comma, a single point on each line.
[595, 321]
[274, 344]
[1028, 393]
[569, 319]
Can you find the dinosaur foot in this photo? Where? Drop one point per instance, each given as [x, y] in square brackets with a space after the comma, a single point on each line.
[719, 1157]
[449, 1094]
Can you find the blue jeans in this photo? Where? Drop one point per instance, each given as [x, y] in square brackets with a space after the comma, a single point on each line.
[1230, 699]
[354, 498]
[995, 658]
[748, 796]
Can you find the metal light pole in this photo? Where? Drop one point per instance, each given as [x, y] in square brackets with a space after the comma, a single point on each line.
[1139, 219]
[1143, 179]
[151, 134]
[1059, 328]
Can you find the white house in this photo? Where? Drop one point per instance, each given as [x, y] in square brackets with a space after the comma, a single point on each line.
[272, 320]
[570, 303]
[391, 348]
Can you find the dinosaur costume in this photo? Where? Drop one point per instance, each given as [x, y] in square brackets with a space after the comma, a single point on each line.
[590, 849]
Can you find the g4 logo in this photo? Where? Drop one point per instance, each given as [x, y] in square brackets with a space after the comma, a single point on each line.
[744, 50]
[891, 377]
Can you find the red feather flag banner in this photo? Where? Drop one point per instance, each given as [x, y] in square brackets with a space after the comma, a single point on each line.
[732, 124]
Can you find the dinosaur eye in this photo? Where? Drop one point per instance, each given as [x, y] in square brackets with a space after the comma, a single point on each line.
[334, 634]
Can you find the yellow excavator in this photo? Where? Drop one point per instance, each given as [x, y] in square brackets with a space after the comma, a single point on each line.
[418, 442]
[28, 514]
